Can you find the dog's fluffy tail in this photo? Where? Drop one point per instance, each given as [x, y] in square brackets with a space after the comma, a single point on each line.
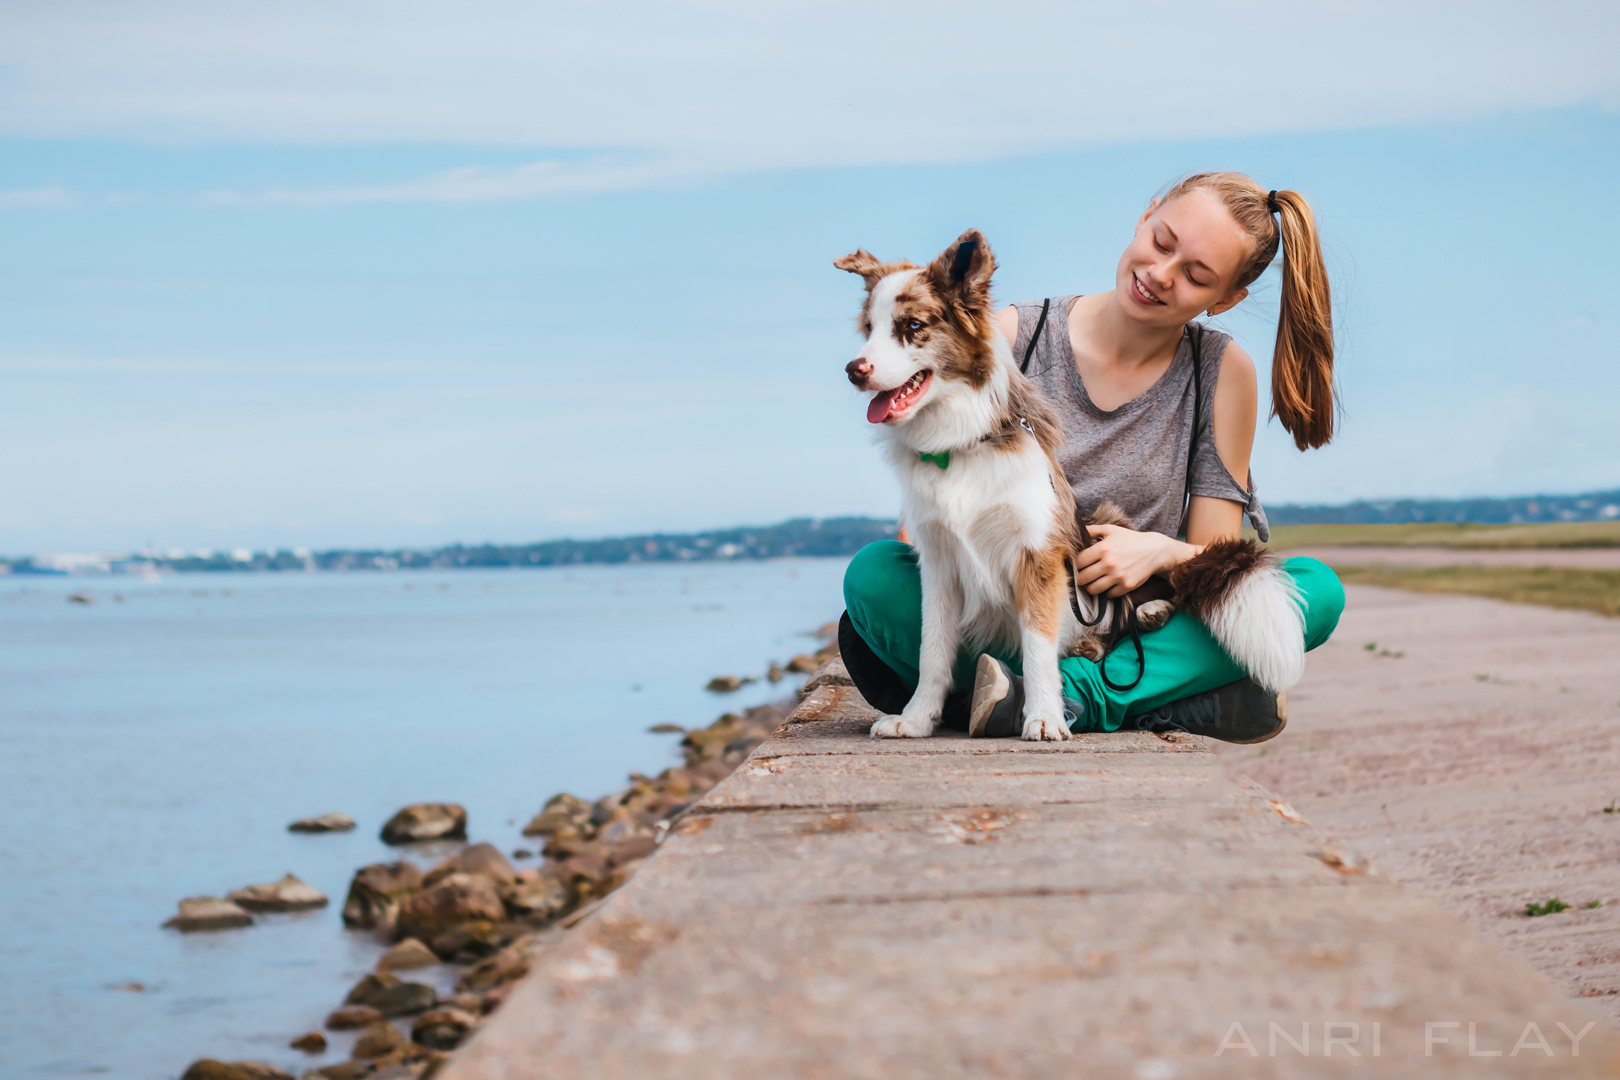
[1253, 607]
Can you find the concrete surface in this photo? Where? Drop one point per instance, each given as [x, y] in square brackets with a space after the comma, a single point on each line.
[1113, 906]
[1471, 753]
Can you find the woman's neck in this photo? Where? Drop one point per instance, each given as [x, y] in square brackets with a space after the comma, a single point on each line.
[1106, 336]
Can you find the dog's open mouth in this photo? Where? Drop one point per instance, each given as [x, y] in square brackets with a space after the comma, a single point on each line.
[892, 404]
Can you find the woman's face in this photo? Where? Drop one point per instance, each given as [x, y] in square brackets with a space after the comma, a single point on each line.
[1183, 260]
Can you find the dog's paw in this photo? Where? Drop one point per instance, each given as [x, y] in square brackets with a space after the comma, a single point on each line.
[903, 727]
[1089, 648]
[1037, 730]
[1155, 613]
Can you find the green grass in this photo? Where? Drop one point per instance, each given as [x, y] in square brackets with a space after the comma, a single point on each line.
[1573, 534]
[1549, 907]
[1550, 586]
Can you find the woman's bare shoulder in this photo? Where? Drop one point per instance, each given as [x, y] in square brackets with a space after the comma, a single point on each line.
[1007, 323]
[1237, 372]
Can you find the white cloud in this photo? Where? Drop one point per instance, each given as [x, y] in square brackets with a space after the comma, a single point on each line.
[487, 184]
[42, 198]
[673, 91]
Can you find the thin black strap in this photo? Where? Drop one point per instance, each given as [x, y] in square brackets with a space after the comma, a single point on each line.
[1195, 338]
[1040, 324]
[1135, 630]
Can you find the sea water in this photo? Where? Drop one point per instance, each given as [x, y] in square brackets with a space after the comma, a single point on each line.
[156, 742]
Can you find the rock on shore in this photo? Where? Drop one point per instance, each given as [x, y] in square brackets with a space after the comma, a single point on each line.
[324, 823]
[450, 903]
[350, 1017]
[391, 995]
[409, 953]
[209, 1069]
[208, 913]
[426, 821]
[376, 892]
[288, 894]
[441, 1029]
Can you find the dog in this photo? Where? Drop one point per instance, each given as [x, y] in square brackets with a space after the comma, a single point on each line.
[994, 520]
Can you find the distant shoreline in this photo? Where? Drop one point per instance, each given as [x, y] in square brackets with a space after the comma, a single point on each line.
[807, 537]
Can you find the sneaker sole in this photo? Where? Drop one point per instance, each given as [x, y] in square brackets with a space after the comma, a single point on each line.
[1282, 722]
[990, 688]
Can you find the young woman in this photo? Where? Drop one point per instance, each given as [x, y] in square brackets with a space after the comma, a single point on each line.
[1123, 369]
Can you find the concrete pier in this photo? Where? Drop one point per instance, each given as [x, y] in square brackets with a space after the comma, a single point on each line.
[1112, 906]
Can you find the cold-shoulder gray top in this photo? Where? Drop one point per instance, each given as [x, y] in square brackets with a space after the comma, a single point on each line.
[1135, 455]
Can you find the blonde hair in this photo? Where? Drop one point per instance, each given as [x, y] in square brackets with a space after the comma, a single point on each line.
[1302, 395]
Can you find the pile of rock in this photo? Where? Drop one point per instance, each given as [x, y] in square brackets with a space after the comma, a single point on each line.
[475, 910]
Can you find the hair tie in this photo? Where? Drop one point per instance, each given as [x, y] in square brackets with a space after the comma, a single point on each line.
[1271, 202]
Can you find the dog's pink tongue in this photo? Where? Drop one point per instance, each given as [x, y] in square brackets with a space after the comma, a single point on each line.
[878, 410]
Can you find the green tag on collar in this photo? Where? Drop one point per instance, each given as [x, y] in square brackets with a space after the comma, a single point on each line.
[942, 459]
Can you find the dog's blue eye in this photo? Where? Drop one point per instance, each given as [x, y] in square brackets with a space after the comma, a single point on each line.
[913, 325]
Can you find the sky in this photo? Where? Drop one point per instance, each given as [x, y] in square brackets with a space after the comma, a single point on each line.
[355, 274]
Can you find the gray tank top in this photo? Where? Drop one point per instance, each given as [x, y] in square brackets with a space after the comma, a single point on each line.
[1135, 455]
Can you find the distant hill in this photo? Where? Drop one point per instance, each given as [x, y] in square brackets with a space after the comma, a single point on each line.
[1520, 510]
[799, 537]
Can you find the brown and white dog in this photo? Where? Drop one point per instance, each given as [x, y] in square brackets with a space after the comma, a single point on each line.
[991, 515]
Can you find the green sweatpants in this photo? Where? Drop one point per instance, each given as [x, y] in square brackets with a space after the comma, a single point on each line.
[883, 593]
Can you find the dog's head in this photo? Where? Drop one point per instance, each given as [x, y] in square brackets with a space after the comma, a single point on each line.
[924, 327]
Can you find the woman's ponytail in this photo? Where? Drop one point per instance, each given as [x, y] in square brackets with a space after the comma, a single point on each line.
[1302, 397]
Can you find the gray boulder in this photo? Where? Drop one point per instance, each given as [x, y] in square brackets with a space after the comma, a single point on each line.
[288, 894]
[208, 913]
[324, 823]
[426, 821]
[209, 1069]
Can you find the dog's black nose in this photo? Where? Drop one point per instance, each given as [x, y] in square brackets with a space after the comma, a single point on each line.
[859, 371]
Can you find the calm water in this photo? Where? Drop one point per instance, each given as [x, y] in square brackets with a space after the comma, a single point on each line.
[156, 747]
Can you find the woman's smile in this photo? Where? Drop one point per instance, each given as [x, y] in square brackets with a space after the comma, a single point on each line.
[1142, 294]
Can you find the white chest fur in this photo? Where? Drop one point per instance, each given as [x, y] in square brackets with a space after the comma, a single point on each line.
[976, 521]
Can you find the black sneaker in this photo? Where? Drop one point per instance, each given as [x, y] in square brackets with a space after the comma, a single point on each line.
[997, 707]
[1239, 712]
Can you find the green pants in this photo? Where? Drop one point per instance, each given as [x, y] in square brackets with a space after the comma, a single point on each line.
[883, 593]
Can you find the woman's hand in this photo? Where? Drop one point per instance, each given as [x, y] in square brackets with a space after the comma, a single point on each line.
[1121, 559]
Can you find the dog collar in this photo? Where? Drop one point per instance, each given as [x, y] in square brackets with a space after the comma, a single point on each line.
[943, 458]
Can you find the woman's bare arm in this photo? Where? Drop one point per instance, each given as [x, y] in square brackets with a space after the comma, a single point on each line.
[1237, 402]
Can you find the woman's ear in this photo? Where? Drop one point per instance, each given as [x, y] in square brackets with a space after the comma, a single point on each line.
[1152, 206]
[1228, 302]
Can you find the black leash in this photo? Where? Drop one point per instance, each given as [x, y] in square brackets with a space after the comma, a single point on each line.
[1133, 628]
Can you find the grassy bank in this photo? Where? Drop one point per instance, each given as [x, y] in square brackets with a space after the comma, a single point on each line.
[1574, 534]
[1552, 586]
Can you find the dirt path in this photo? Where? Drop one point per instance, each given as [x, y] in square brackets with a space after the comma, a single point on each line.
[1470, 754]
[1579, 558]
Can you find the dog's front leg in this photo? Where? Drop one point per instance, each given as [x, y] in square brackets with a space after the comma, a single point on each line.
[941, 634]
[1041, 602]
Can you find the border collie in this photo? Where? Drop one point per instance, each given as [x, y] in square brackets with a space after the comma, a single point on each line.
[994, 520]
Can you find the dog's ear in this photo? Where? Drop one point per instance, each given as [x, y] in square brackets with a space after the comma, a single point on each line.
[963, 270]
[863, 262]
